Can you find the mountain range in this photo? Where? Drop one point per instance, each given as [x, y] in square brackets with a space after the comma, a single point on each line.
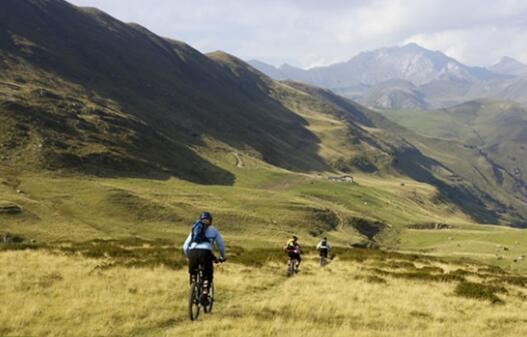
[84, 93]
[410, 76]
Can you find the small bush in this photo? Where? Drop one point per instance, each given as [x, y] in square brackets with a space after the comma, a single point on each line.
[420, 314]
[255, 257]
[363, 254]
[19, 246]
[131, 252]
[49, 280]
[449, 278]
[431, 269]
[519, 281]
[375, 279]
[401, 264]
[479, 291]
[491, 270]
[380, 271]
[429, 277]
[463, 273]
[419, 274]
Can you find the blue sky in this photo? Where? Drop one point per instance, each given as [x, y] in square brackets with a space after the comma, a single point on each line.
[313, 33]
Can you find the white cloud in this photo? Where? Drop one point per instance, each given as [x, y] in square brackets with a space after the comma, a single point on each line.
[313, 33]
[372, 21]
[479, 46]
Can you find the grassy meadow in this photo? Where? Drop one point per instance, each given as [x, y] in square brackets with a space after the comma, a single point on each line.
[105, 260]
[360, 293]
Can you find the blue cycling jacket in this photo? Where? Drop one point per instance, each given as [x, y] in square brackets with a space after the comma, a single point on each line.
[213, 235]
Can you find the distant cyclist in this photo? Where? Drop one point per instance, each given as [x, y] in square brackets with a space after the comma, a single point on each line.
[198, 248]
[323, 248]
[293, 250]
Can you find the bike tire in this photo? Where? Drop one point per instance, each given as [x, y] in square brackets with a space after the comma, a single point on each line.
[193, 302]
[292, 267]
[208, 308]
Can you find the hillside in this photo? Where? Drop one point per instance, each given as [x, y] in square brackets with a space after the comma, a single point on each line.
[109, 130]
[113, 97]
[495, 130]
[90, 103]
[157, 101]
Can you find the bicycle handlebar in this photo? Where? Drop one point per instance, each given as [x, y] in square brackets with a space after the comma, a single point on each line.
[219, 260]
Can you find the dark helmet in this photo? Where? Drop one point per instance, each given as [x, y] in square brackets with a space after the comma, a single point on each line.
[205, 216]
[295, 237]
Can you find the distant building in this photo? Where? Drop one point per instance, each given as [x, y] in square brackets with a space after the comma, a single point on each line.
[341, 179]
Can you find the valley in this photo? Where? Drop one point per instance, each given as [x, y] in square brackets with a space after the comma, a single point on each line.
[113, 139]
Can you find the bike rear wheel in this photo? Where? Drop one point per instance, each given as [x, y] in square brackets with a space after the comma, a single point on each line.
[292, 267]
[194, 301]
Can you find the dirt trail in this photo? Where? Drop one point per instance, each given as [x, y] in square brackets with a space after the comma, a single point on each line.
[239, 162]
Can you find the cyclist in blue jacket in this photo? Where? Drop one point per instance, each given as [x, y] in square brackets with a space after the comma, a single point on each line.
[198, 248]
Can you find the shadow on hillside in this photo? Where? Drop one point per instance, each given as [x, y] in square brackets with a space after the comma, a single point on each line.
[414, 164]
[105, 166]
[73, 144]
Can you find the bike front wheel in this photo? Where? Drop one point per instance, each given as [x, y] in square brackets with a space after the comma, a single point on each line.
[208, 308]
[292, 267]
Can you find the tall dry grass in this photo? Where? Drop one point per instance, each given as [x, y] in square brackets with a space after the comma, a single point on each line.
[47, 294]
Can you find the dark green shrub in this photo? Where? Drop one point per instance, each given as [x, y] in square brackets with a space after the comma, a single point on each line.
[431, 269]
[375, 279]
[519, 281]
[130, 252]
[479, 291]
[491, 270]
[429, 277]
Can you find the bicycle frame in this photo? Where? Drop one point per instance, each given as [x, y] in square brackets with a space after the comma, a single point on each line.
[292, 266]
[196, 295]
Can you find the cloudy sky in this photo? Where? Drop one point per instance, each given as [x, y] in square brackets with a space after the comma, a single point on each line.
[311, 33]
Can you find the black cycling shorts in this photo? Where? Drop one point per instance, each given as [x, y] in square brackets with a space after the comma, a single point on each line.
[203, 257]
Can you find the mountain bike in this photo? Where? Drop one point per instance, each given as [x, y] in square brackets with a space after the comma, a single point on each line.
[197, 299]
[323, 261]
[292, 266]
[323, 258]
